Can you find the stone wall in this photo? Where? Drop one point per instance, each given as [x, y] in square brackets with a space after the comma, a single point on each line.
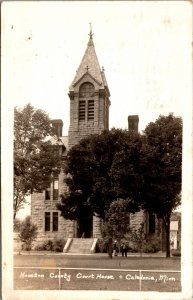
[141, 216]
[39, 205]
[136, 219]
[81, 129]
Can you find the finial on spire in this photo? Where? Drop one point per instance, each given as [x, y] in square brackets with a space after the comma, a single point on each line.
[90, 33]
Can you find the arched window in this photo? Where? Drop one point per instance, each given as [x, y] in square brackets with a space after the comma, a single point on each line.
[86, 90]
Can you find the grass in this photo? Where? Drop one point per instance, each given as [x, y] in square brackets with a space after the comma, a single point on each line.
[99, 261]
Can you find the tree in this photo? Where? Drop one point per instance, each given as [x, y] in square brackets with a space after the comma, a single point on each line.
[146, 169]
[161, 168]
[90, 167]
[28, 233]
[149, 170]
[116, 223]
[127, 177]
[35, 159]
[17, 225]
[91, 182]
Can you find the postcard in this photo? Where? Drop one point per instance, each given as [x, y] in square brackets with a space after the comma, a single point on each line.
[101, 207]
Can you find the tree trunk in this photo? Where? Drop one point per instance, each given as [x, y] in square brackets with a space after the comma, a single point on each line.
[167, 228]
[168, 240]
[110, 248]
[14, 215]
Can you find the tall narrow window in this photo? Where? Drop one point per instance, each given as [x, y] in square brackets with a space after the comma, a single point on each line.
[90, 109]
[55, 189]
[55, 221]
[47, 221]
[151, 223]
[82, 107]
[86, 103]
[47, 194]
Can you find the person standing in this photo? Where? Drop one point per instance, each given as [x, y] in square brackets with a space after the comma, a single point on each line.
[115, 248]
[124, 249]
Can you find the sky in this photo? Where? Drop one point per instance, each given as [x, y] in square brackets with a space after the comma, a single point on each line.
[144, 46]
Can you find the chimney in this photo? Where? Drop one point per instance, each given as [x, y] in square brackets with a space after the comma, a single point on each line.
[57, 126]
[133, 122]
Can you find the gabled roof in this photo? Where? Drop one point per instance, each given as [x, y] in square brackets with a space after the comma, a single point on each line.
[87, 73]
[58, 141]
[89, 64]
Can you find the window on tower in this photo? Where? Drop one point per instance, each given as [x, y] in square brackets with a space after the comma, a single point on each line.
[82, 107]
[86, 90]
[86, 103]
[90, 109]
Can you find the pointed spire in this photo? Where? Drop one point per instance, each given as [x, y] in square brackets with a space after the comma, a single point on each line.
[104, 79]
[89, 65]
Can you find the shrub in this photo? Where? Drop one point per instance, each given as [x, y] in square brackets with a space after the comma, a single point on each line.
[148, 248]
[101, 246]
[133, 248]
[27, 234]
[176, 252]
[45, 246]
[58, 245]
[39, 247]
[151, 246]
[48, 245]
[26, 247]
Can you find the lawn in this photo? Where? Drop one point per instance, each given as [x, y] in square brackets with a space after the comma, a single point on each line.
[96, 272]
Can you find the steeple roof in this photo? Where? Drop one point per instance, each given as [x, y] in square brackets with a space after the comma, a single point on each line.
[90, 65]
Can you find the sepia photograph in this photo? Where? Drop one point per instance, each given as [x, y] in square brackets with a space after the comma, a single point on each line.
[96, 150]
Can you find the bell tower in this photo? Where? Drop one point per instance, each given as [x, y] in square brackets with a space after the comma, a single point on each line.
[89, 98]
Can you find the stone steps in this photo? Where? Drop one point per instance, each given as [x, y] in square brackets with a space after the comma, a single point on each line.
[81, 245]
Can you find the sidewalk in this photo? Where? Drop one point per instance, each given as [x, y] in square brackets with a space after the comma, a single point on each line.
[158, 254]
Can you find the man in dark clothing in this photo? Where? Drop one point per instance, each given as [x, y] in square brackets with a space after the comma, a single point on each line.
[124, 249]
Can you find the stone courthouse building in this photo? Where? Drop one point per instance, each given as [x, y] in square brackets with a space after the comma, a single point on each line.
[89, 113]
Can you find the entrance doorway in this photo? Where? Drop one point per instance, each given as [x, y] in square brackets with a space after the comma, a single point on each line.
[85, 227]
